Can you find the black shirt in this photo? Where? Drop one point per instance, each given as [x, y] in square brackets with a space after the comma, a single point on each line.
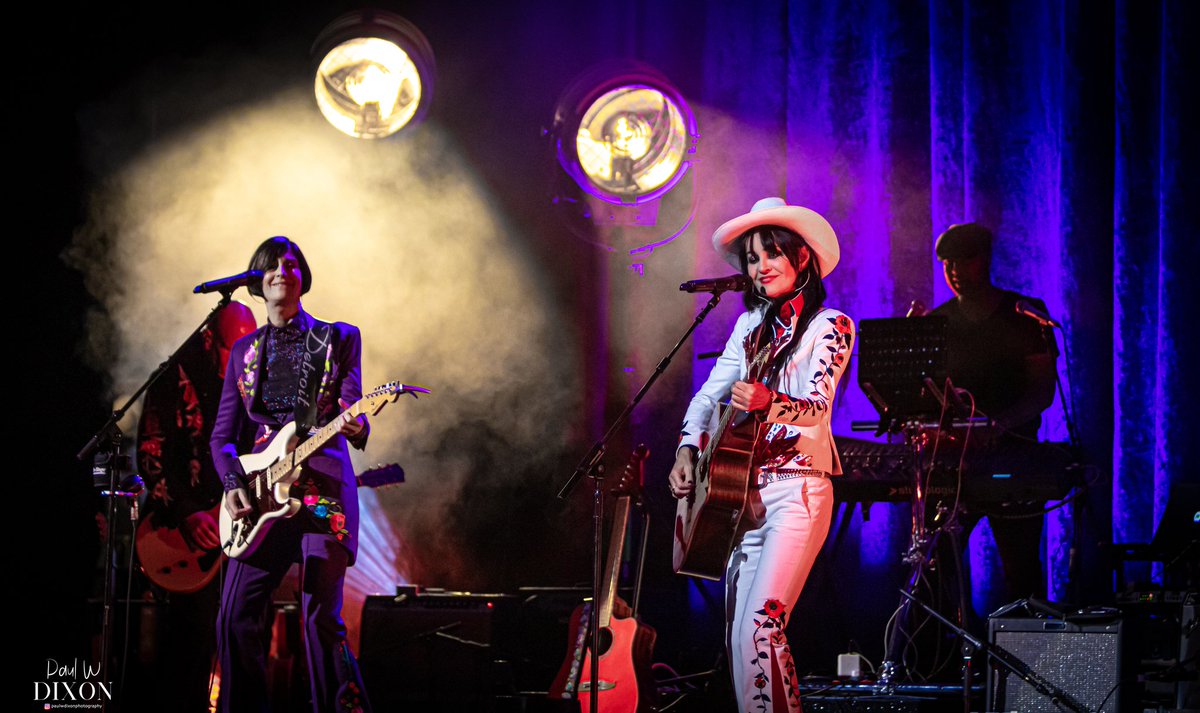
[987, 357]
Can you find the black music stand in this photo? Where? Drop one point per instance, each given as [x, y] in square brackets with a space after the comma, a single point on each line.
[897, 360]
[902, 367]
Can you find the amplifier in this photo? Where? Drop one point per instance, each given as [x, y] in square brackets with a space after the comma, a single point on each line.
[429, 650]
[1162, 639]
[1083, 659]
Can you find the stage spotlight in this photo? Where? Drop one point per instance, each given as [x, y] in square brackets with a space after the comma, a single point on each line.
[624, 133]
[375, 73]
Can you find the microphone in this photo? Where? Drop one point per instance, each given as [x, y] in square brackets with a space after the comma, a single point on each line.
[229, 284]
[1027, 309]
[735, 283]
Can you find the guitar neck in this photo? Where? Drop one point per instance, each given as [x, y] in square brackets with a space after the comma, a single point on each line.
[612, 567]
[296, 458]
[752, 374]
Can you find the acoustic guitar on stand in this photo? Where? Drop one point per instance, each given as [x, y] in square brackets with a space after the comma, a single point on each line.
[626, 645]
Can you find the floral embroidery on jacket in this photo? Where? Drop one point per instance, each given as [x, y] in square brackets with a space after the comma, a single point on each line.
[249, 371]
[325, 509]
[783, 327]
[836, 342]
[172, 428]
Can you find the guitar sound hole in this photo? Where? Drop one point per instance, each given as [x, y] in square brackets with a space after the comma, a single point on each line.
[606, 641]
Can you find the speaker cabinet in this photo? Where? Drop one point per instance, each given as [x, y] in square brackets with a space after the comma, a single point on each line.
[1083, 659]
[428, 651]
[1162, 640]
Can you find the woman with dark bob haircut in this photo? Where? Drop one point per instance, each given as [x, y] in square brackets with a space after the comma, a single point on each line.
[267, 256]
[803, 347]
[264, 391]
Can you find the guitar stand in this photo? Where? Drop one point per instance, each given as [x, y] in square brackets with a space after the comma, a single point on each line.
[592, 467]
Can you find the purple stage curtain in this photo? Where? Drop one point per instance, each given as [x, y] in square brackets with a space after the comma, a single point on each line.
[1059, 125]
[1153, 249]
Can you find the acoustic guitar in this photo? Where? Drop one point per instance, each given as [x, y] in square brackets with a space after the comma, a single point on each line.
[708, 519]
[626, 645]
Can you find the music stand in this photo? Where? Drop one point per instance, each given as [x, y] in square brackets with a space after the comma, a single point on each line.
[902, 367]
[897, 359]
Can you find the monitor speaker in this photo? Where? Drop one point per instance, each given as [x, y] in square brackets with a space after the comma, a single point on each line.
[1083, 659]
[421, 652]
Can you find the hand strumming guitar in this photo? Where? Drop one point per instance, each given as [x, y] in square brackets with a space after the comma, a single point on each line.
[237, 503]
[682, 477]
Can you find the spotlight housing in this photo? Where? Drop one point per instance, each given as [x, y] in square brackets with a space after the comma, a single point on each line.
[374, 73]
[624, 133]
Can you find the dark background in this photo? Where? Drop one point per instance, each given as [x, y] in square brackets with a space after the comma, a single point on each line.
[1062, 125]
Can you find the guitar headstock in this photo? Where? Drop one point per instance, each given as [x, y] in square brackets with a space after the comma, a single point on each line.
[383, 394]
[380, 476]
[630, 482]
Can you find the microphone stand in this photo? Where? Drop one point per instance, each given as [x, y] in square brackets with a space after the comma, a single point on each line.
[104, 447]
[1005, 658]
[1067, 401]
[592, 467]
[1078, 509]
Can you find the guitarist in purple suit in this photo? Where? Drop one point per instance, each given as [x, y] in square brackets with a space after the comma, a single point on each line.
[293, 368]
[786, 251]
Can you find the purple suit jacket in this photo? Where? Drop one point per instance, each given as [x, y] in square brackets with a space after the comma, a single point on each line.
[327, 483]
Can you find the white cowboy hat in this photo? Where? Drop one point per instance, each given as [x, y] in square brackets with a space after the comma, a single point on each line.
[808, 224]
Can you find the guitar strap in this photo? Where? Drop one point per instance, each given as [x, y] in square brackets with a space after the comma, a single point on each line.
[318, 350]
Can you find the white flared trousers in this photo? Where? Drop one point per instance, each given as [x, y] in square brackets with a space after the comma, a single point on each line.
[765, 575]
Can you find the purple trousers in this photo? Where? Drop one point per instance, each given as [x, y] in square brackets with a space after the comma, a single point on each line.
[334, 680]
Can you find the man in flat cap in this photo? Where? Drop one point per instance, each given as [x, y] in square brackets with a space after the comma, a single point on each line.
[1007, 361]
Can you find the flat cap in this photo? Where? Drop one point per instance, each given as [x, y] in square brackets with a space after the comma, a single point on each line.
[964, 241]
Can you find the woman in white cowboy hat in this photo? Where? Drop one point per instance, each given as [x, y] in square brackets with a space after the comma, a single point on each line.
[786, 251]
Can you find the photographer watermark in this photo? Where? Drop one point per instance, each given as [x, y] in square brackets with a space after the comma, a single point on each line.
[74, 684]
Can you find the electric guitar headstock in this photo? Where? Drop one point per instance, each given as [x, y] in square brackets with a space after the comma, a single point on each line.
[381, 395]
[380, 476]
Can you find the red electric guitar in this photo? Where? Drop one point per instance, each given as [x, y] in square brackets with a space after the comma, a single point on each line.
[626, 645]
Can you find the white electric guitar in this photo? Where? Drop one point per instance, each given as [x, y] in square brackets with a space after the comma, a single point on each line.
[271, 472]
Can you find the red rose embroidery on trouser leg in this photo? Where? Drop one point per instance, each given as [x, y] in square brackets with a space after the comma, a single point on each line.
[773, 658]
